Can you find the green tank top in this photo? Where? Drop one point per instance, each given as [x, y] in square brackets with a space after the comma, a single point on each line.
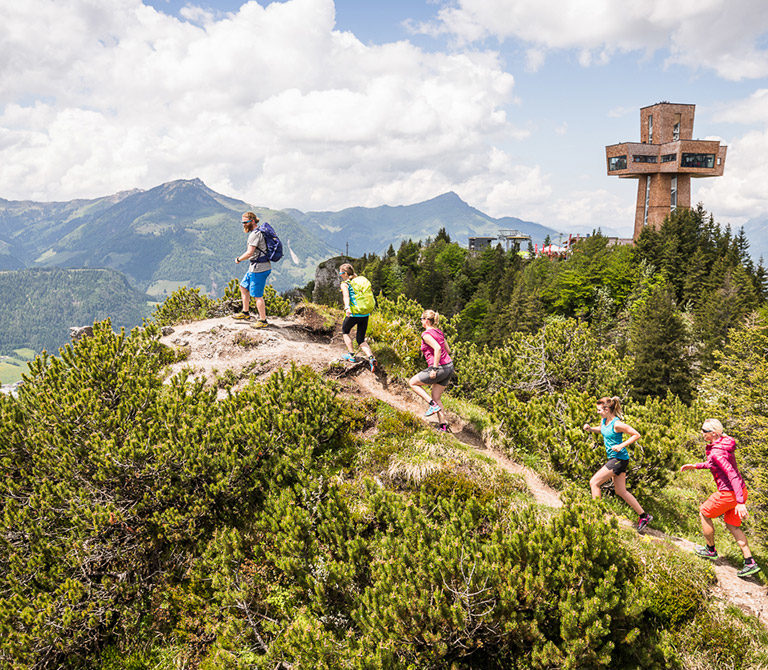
[613, 439]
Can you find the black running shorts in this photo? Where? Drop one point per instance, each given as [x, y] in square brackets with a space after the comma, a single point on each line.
[617, 465]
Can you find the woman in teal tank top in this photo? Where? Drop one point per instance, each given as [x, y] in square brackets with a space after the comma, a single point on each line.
[614, 431]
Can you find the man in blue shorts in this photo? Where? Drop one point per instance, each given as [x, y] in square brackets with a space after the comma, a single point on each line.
[254, 281]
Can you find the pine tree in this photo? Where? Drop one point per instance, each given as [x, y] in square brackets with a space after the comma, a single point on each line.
[659, 342]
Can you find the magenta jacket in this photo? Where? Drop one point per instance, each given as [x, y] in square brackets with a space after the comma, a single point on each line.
[721, 461]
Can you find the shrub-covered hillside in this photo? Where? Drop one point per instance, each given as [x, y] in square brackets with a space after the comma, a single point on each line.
[295, 525]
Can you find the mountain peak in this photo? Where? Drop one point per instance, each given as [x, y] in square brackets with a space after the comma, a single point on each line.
[448, 198]
[195, 182]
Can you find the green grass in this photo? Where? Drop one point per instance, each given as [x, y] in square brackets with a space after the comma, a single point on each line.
[164, 287]
[12, 367]
[479, 418]
[10, 373]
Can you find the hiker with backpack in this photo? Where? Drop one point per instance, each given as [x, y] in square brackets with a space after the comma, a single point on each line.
[729, 501]
[438, 355]
[357, 294]
[263, 246]
[613, 431]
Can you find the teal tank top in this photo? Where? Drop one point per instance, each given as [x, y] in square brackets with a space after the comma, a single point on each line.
[613, 439]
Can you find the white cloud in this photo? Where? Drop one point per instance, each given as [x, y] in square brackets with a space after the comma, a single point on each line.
[272, 104]
[740, 194]
[722, 35]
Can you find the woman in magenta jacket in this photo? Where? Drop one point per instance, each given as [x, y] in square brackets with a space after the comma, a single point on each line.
[729, 501]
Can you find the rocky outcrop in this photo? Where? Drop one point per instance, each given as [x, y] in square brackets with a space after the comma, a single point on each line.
[77, 332]
[326, 291]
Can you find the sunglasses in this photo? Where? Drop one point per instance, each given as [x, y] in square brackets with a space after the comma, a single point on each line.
[706, 431]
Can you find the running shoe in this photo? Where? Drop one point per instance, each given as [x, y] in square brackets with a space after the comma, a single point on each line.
[260, 324]
[642, 521]
[748, 569]
[350, 358]
[432, 409]
[705, 552]
[242, 316]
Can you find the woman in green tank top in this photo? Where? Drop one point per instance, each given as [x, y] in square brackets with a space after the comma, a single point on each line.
[614, 431]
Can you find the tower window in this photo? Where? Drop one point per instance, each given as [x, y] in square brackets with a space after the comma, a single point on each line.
[697, 160]
[650, 128]
[617, 163]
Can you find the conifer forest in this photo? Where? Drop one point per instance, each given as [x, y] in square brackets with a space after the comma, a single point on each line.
[157, 520]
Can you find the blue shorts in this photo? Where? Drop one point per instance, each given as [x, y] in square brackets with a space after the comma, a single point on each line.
[255, 283]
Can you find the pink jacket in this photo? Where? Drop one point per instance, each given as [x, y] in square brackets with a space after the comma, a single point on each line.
[721, 461]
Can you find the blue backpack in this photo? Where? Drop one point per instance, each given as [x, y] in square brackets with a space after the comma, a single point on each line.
[274, 251]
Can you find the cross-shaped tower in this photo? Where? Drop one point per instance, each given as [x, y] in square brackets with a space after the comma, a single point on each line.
[664, 161]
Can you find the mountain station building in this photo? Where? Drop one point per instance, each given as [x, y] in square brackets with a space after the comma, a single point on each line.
[664, 161]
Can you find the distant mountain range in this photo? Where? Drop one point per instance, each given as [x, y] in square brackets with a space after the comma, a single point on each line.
[177, 233]
[184, 233]
[373, 229]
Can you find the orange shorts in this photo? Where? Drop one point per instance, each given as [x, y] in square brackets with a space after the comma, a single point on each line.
[722, 503]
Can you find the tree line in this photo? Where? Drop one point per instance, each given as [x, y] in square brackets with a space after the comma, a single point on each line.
[668, 301]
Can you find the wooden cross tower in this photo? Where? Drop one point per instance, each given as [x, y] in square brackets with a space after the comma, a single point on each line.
[664, 161]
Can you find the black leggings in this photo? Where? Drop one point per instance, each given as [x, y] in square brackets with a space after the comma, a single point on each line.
[362, 325]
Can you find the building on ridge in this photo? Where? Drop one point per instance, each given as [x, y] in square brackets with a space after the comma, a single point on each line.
[511, 239]
[664, 161]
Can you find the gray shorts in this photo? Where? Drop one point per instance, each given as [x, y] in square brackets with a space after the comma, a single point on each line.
[443, 376]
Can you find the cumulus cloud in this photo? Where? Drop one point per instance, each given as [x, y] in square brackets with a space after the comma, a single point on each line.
[722, 35]
[740, 194]
[271, 103]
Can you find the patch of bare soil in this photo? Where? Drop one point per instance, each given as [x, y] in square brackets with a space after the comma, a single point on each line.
[746, 594]
[217, 345]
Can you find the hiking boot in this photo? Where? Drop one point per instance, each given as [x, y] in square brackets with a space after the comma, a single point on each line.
[748, 569]
[349, 358]
[642, 521]
[432, 409]
[706, 552]
[260, 324]
[242, 316]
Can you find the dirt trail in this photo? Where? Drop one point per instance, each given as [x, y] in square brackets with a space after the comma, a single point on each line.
[221, 344]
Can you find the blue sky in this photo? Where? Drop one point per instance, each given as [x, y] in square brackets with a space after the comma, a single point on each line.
[319, 105]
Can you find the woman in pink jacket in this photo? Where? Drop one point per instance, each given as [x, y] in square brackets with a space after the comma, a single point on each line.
[730, 499]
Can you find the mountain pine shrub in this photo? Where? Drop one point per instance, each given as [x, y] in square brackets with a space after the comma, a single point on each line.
[563, 354]
[114, 483]
[184, 304]
[464, 587]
